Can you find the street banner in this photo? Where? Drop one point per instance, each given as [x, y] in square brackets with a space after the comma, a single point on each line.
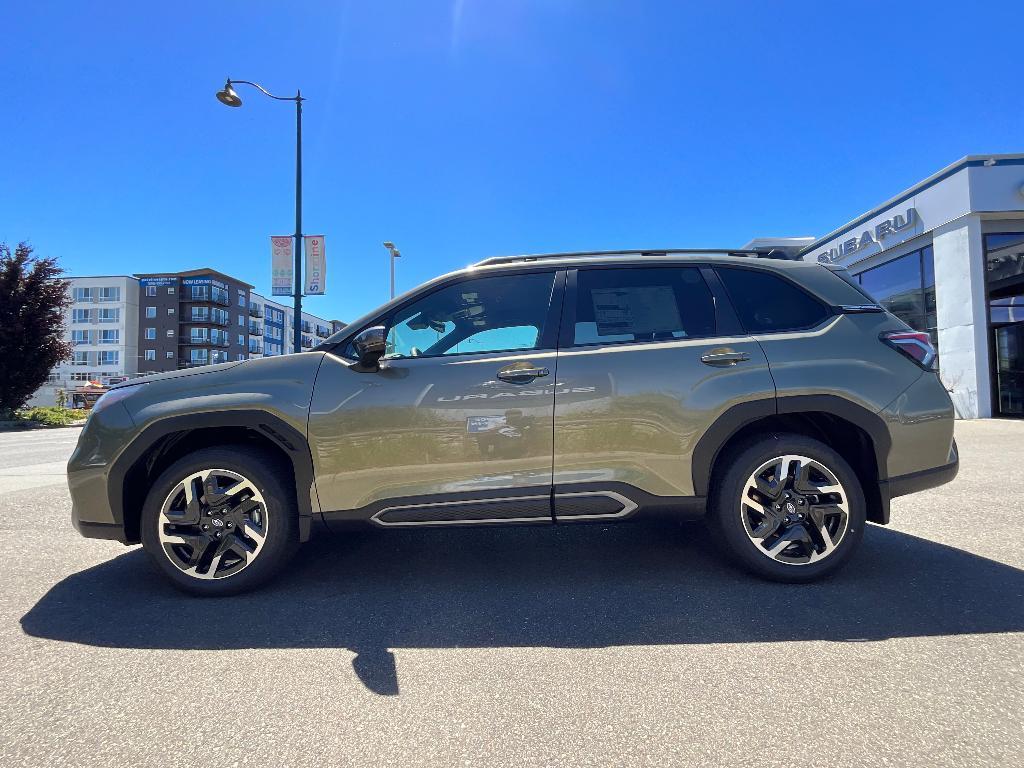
[281, 265]
[316, 265]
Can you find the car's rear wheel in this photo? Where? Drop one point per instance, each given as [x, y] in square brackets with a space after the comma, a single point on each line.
[220, 521]
[788, 508]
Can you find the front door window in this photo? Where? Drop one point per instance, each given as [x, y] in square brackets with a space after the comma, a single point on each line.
[490, 314]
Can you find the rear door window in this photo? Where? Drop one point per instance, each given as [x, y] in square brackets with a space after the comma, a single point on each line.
[642, 304]
[767, 303]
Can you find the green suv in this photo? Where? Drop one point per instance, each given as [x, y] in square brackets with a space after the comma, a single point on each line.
[772, 397]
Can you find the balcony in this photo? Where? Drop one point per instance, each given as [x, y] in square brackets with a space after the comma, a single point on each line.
[322, 332]
[207, 320]
[307, 327]
[199, 341]
[255, 330]
[203, 297]
[255, 349]
[255, 311]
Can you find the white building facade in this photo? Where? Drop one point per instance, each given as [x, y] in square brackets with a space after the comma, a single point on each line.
[103, 326]
[947, 256]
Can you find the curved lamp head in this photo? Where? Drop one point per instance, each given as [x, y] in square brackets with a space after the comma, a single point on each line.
[228, 96]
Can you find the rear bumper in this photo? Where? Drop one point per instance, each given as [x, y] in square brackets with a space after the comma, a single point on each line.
[913, 482]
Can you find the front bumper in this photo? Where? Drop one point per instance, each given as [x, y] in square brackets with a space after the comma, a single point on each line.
[92, 513]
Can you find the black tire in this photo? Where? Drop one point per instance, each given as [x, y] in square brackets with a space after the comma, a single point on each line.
[728, 519]
[279, 516]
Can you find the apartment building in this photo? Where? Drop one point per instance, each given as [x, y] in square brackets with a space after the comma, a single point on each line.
[272, 330]
[131, 325]
[186, 319]
[102, 324]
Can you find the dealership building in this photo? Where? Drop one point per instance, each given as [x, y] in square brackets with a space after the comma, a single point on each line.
[947, 256]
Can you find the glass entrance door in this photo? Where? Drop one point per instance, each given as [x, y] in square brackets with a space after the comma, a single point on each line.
[1008, 354]
[1004, 257]
[1009, 348]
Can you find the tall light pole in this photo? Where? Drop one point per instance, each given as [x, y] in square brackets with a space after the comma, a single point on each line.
[228, 96]
[395, 253]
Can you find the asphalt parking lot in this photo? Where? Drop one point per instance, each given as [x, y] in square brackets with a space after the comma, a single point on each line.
[593, 645]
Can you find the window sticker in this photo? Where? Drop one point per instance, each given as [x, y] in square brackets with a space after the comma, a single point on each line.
[642, 309]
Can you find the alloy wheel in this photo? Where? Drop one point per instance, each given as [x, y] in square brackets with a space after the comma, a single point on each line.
[213, 524]
[794, 510]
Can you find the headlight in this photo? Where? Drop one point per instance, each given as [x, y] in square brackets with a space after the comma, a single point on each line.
[107, 399]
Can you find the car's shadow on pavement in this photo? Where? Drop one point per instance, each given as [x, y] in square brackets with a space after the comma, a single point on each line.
[588, 586]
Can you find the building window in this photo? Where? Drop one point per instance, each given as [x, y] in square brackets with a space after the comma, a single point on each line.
[199, 335]
[220, 295]
[80, 358]
[83, 294]
[109, 337]
[151, 333]
[108, 358]
[200, 293]
[1004, 257]
[241, 357]
[108, 315]
[151, 290]
[241, 299]
[170, 291]
[906, 287]
[170, 333]
[151, 354]
[218, 336]
[150, 312]
[220, 316]
[218, 356]
[80, 337]
[170, 310]
[241, 320]
[110, 294]
[79, 315]
[169, 355]
[199, 356]
[200, 314]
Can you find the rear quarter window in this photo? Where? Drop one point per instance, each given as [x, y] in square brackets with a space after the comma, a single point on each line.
[767, 303]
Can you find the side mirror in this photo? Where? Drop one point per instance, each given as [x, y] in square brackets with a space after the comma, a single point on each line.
[369, 345]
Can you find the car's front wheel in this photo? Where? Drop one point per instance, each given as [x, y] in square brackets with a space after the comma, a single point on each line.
[220, 521]
[788, 508]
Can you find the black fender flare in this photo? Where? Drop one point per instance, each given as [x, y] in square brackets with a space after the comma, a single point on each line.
[292, 442]
[739, 416]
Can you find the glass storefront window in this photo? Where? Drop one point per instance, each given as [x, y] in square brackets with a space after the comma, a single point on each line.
[906, 287]
[897, 286]
[1004, 256]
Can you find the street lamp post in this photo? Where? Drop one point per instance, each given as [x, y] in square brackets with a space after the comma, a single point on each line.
[395, 253]
[230, 98]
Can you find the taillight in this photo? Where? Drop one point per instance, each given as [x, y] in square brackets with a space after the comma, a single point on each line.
[915, 345]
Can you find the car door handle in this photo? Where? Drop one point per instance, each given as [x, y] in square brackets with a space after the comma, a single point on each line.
[521, 375]
[724, 358]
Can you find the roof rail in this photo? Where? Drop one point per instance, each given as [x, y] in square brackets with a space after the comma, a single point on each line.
[623, 252]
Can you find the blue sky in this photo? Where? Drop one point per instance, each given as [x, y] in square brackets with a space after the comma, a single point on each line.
[469, 128]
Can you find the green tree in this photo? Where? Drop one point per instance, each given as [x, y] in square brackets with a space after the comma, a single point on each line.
[33, 300]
